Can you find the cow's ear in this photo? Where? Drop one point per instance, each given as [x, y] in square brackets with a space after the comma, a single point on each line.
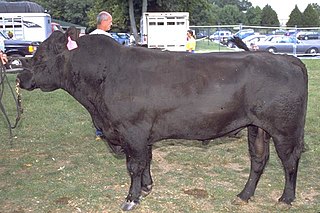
[73, 33]
[58, 41]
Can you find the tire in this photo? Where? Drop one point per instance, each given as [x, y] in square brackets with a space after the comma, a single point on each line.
[313, 50]
[15, 61]
[230, 44]
[272, 50]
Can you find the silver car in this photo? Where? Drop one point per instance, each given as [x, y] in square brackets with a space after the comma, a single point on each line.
[287, 44]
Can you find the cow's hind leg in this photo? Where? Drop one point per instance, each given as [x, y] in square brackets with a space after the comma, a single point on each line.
[258, 141]
[137, 158]
[289, 151]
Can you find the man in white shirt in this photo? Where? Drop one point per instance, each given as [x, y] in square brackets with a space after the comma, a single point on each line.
[104, 22]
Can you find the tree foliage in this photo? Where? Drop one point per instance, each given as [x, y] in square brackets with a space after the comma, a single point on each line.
[269, 17]
[243, 5]
[310, 17]
[230, 14]
[295, 18]
[202, 12]
[253, 16]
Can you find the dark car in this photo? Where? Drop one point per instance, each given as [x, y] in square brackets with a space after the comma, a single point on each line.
[308, 35]
[16, 50]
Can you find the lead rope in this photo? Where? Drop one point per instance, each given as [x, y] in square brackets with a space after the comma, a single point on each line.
[16, 97]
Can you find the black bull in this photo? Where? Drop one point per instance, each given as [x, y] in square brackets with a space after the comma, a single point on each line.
[139, 96]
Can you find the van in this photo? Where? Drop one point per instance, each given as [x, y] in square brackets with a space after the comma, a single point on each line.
[220, 35]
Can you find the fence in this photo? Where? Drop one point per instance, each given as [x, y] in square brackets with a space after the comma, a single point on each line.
[205, 31]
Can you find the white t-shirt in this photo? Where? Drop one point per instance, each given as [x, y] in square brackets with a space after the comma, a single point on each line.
[98, 31]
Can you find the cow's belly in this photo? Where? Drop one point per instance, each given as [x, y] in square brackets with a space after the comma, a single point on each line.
[198, 123]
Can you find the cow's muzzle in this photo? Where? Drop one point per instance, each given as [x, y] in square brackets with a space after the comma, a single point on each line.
[25, 80]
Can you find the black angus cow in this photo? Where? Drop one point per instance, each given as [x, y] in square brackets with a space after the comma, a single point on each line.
[139, 96]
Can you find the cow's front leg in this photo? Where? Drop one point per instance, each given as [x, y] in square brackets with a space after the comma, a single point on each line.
[136, 163]
[146, 175]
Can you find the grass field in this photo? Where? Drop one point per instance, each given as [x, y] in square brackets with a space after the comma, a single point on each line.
[53, 164]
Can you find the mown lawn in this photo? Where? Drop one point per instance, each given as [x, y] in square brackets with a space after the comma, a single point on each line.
[53, 164]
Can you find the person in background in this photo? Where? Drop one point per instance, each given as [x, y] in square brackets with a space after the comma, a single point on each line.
[191, 42]
[104, 22]
[10, 34]
[3, 58]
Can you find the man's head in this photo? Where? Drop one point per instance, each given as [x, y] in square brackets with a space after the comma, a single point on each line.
[104, 21]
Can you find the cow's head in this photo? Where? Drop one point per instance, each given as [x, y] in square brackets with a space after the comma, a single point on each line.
[44, 69]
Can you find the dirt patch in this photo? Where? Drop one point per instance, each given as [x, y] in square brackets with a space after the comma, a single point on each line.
[162, 163]
[197, 193]
[310, 196]
[63, 201]
[235, 166]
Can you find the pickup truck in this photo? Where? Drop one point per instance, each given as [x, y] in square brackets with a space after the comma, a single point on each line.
[16, 50]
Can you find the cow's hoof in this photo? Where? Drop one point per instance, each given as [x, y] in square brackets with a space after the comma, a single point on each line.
[146, 191]
[129, 205]
[239, 202]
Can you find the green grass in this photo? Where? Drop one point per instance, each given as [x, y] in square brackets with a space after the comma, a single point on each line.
[55, 165]
[205, 45]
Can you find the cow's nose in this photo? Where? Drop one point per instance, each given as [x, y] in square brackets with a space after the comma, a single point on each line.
[25, 80]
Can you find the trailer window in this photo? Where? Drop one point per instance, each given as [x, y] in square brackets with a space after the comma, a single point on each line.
[180, 23]
[160, 23]
[152, 23]
[170, 23]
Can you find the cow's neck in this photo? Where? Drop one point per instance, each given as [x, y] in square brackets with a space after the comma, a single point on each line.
[90, 97]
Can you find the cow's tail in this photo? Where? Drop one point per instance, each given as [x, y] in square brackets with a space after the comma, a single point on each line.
[239, 43]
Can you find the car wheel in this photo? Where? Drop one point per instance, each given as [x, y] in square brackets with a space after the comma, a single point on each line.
[230, 44]
[313, 50]
[14, 61]
[272, 50]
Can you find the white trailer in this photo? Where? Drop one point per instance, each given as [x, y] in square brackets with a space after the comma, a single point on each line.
[26, 26]
[164, 30]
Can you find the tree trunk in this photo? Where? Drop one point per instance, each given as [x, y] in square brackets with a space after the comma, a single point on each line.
[133, 22]
[144, 6]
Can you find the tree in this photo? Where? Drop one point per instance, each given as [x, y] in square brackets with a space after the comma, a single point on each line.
[317, 8]
[202, 13]
[74, 11]
[243, 5]
[295, 18]
[133, 21]
[310, 17]
[269, 17]
[253, 16]
[230, 14]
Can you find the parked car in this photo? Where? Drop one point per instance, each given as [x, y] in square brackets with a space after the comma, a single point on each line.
[121, 38]
[16, 50]
[286, 44]
[308, 35]
[220, 35]
[241, 34]
[201, 35]
[252, 40]
[125, 38]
